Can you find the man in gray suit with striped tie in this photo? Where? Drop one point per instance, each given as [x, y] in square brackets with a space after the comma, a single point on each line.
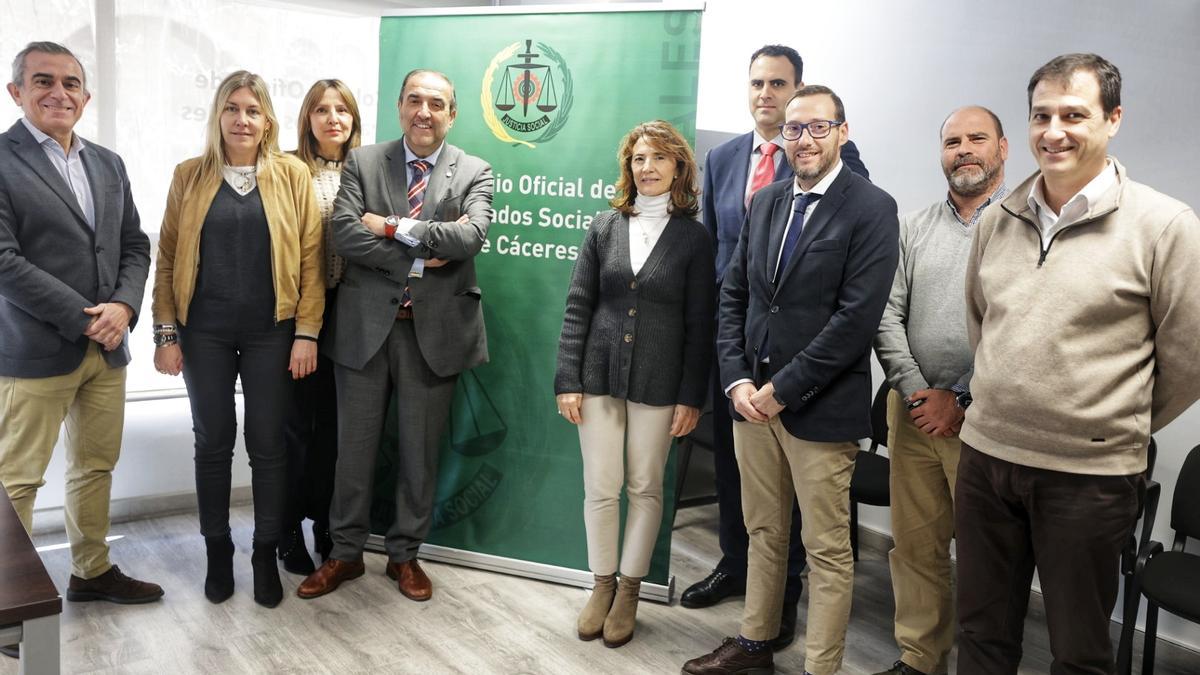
[410, 217]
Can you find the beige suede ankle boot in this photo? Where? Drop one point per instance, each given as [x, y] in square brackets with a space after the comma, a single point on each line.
[591, 619]
[618, 627]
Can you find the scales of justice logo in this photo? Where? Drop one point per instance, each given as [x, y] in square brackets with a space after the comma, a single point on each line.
[533, 99]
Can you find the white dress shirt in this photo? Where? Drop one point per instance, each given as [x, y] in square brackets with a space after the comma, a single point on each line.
[1075, 208]
[69, 165]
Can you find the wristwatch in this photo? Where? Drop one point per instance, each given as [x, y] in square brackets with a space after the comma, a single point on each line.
[389, 226]
[962, 396]
[164, 339]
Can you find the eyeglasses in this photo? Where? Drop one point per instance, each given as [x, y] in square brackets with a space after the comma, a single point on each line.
[792, 131]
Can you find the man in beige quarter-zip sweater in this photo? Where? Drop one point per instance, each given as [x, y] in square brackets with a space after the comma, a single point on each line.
[1084, 337]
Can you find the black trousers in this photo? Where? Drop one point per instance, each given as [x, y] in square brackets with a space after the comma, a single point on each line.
[731, 528]
[212, 362]
[1010, 519]
[311, 437]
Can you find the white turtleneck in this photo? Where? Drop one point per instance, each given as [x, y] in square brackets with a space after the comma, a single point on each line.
[646, 225]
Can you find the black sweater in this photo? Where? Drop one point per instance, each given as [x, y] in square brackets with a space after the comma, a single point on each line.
[234, 288]
[646, 338]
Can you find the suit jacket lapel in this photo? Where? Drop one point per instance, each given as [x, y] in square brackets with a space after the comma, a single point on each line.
[740, 176]
[397, 180]
[440, 179]
[822, 216]
[780, 210]
[785, 169]
[32, 154]
[98, 182]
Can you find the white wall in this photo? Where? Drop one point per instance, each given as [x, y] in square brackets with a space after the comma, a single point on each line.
[168, 58]
[901, 67]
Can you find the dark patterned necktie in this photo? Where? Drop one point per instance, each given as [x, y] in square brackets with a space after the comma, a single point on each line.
[799, 208]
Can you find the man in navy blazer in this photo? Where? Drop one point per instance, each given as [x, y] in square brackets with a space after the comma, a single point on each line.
[73, 266]
[731, 175]
[800, 304]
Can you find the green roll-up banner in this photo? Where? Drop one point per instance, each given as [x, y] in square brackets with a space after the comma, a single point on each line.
[545, 97]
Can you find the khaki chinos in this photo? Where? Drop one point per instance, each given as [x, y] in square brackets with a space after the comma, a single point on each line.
[924, 470]
[777, 467]
[91, 399]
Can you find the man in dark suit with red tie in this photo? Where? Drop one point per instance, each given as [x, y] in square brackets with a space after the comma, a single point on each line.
[733, 172]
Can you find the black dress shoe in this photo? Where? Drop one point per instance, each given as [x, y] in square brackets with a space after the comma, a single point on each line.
[900, 668]
[787, 627]
[11, 651]
[712, 589]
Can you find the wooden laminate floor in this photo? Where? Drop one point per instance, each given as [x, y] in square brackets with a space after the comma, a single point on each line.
[478, 622]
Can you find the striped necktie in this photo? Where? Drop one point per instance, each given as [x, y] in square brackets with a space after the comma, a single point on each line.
[416, 189]
[416, 197]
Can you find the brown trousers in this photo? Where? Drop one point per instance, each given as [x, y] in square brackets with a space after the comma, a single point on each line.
[1010, 519]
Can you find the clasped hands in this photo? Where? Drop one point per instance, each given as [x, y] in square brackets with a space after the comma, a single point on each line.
[108, 323]
[683, 421]
[755, 404]
[376, 224]
[939, 415]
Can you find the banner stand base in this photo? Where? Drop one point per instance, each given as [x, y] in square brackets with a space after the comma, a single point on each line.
[663, 593]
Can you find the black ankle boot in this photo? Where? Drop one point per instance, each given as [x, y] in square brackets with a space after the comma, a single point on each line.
[218, 584]
[268, 591]
[293, 553]
[322, 540]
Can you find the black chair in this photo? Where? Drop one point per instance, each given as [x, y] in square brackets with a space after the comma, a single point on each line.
[869, 484]
[1129, 555]
[1167, 579]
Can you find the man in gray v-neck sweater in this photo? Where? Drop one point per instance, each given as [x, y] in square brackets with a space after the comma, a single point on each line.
[923, 347]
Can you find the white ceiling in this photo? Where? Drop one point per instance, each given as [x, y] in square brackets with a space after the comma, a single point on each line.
[377, 7]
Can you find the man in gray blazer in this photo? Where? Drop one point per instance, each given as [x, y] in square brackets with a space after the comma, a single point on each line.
[410, 217]
[73, 265]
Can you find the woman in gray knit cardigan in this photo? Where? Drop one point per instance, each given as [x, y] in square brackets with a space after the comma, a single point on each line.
[633, 360]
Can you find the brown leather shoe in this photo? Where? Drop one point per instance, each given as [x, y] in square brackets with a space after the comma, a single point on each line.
[113, 586]
[412, 580]
[328, 577]
[731, 659]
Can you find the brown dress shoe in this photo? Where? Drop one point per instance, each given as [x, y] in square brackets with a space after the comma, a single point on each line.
[328, 577]
[412, 580]
[731, 659]
[113, 586]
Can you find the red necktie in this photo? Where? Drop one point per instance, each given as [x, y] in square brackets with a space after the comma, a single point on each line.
[764, 173]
